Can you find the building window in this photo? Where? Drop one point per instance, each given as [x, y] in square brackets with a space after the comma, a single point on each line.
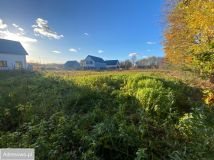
[89, 62]
[3, 63]
[18, 65]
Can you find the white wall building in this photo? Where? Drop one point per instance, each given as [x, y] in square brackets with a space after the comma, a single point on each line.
[92, 62]
[12, 55]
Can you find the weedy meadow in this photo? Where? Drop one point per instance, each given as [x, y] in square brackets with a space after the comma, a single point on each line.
[105, 115]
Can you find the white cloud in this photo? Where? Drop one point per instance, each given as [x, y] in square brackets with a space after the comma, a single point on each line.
[2, 24]
[133, 54]
[100, 51]
[21, 29]
[56, 52]
[17, 37]
[150, 42]
[72, 50]
[18, 27]
[42, 29]
[15, 25]
[86, 34]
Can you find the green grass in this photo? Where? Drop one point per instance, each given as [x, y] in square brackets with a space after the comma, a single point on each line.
[105, 115]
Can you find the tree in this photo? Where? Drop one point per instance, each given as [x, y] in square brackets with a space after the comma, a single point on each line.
[133, 58]
[126, 64]
[82, 63]
[189, 36]
[150, 62]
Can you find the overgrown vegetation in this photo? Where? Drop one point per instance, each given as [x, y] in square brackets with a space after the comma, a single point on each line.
[110, 116]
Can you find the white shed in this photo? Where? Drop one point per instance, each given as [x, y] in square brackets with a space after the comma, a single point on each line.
[12, 55]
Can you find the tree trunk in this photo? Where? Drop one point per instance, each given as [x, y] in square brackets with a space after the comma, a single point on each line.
[212, 78]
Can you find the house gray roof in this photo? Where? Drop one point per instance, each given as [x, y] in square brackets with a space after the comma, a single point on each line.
[72, 64]
[96, 59]
[111, 62]
[12, 47]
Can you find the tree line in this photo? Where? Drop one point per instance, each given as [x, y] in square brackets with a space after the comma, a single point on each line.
[146, 63]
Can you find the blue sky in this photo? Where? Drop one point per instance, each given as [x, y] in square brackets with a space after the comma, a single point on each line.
[54, 31]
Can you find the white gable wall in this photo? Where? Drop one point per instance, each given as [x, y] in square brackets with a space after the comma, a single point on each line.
[11, 61]
[88, 59]
[91, 64]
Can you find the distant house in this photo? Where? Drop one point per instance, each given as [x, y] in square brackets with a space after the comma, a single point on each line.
[72, 65]
[12, 55]
[92, 62]
[112, 64]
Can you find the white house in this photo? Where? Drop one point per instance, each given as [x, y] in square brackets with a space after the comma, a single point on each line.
[12, 55]
[92, 62]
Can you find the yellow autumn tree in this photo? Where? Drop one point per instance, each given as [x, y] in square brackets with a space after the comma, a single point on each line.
[189, 36]
[175, 40]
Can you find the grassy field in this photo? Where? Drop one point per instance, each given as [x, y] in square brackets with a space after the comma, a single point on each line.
[118, 115]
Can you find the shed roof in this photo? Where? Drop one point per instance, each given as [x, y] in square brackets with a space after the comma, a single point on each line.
[12, 47]
[111, 62]
[72, 64]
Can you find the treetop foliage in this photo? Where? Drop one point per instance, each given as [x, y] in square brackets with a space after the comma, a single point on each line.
[189, 36]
